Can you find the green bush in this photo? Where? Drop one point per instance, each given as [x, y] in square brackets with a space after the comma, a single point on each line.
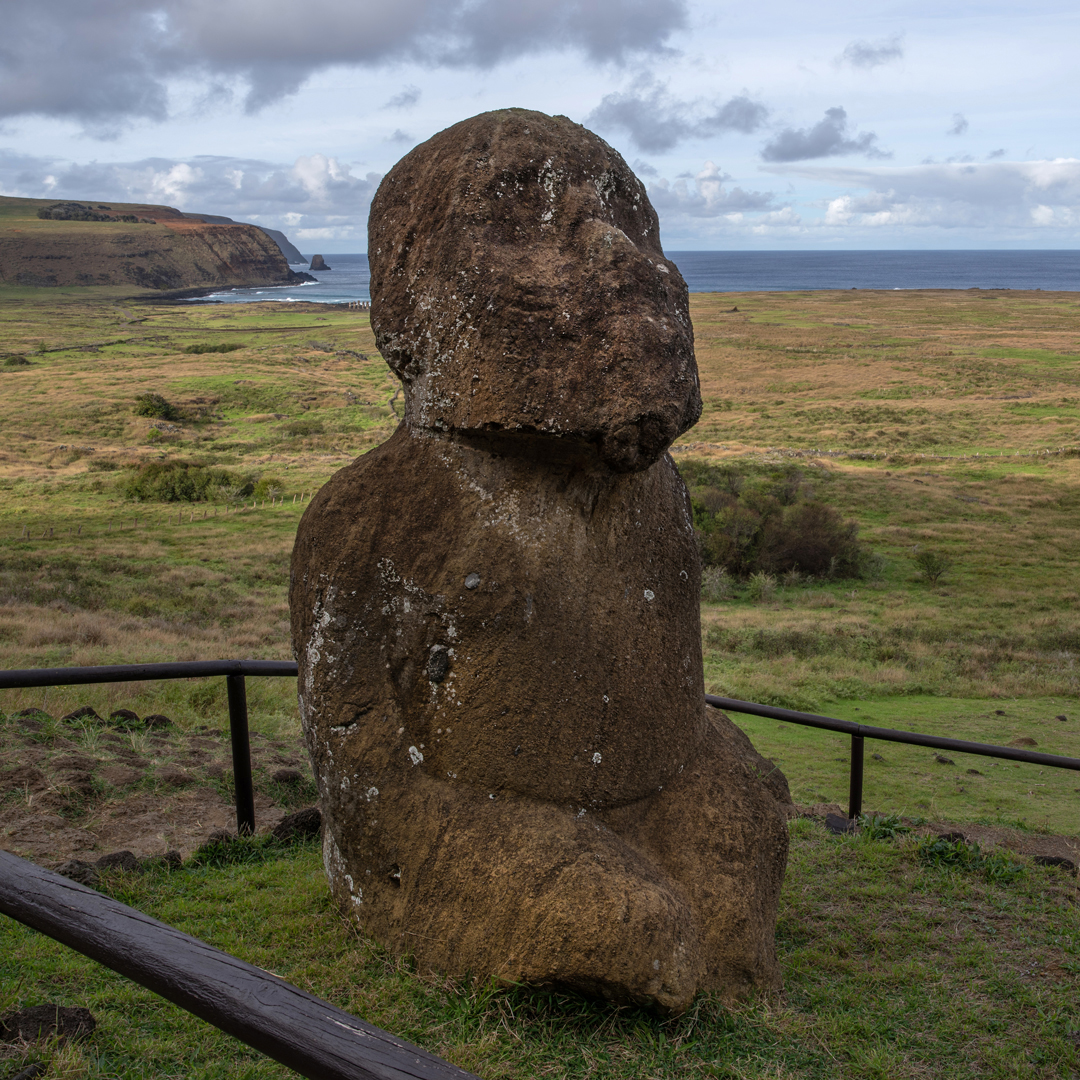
[154, 405]
[184, 481]
[933, 565]
[268, 487]
[766, 521]
[812, 538]
[715, 584]
[238, 850]
[945, 854]
[224, 347]
[882, 826]
[73, 211]
[761, 587]
[305, 427]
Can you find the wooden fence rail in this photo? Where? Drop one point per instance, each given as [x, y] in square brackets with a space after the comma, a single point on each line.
[303, 1032]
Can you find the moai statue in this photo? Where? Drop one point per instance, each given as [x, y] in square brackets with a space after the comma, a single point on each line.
[496, 611]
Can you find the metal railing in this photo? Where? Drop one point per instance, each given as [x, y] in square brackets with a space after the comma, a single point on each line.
[309, 1035]
[303, 1032]
[235, 672]
[860, 732]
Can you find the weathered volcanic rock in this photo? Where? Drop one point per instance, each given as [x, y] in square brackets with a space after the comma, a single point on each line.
[518, 292]
[496, 612]
[318, 263]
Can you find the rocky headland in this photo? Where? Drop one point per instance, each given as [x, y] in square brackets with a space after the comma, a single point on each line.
[90, 243]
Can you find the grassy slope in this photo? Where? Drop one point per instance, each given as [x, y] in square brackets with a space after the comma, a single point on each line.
[892, 970]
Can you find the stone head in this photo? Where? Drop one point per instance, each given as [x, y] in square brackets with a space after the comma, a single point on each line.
[520, 292]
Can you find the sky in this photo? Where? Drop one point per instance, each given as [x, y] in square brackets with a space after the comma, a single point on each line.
[888, 124]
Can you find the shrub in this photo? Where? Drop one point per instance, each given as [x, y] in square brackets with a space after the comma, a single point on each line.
[715, 584]
[768, 522]
[154, 405]
[223, 347]
[945, 854]
[761, 587]
[73, 211]
[268, 487]
[183, 481]
[882, 826]
[305, 427]
[933, 565]
[812, 538]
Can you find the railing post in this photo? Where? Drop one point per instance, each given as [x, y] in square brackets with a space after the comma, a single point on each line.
[855, 785]
[241, 755]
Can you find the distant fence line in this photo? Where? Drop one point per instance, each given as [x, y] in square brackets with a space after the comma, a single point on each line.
[147, 519]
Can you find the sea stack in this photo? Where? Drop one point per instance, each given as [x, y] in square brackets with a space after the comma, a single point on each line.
[318, 263]
[496, 612]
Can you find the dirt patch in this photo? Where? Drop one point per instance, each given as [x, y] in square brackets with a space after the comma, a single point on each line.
[80, 790]
[988, 837]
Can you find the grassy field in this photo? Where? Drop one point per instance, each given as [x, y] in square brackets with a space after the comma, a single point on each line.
[894, 968]
[938, 421]
[942, 421]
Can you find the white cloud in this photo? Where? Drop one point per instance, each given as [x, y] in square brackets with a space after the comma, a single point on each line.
[315, 192]
[656, 120]
[708, 198]
[995, 195]
[871, 54]
[959, 125]
[405, 100]
[827, 138]
[106, 62]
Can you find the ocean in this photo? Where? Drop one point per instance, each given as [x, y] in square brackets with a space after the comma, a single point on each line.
[766, 271]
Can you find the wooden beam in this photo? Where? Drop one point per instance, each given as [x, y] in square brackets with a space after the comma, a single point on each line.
[303, 1032]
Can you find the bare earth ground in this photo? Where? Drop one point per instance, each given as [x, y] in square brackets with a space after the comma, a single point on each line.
[99, 790]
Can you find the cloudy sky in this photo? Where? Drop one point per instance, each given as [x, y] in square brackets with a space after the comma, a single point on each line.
[780, 124]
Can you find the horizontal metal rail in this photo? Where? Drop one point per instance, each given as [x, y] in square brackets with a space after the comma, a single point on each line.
[859, 732]
[303, 1032]
[193, 669]
[235, 672]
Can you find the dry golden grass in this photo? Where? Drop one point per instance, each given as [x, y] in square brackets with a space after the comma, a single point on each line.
[925, 371]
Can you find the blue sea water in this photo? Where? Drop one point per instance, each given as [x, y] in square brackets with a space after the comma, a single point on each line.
[768, 271]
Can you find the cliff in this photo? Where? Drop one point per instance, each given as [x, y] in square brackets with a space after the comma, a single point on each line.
[291, 253]
[161, 249]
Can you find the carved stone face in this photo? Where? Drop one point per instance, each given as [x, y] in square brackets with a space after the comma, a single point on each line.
[520, 292]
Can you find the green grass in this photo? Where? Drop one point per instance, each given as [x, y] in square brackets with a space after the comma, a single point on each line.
[892, 968]
[910, 780]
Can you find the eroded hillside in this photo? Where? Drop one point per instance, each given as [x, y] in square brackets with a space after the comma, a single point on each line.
[159, 249]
